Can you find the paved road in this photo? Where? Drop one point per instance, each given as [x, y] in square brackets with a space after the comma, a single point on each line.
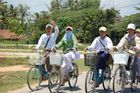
[78, 89]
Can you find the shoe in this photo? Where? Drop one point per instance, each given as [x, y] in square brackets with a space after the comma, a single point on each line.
[96, 85]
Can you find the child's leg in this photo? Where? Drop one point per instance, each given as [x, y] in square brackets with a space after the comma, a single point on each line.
[138, 64]
[68, 62]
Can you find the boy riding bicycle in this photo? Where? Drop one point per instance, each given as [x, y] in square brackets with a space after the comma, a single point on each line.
[101, 44]
[47, 41]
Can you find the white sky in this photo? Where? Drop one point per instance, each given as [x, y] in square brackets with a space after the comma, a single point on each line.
[35, 5]
[126, 7]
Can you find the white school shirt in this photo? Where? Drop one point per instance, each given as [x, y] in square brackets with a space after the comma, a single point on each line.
[96, 44]
[44, 37]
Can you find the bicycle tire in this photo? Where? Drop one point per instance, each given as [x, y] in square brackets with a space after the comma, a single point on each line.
[118, 80]
[89, 83]
[73, 76]
[54, 80]
[34, 78]
[107, 78]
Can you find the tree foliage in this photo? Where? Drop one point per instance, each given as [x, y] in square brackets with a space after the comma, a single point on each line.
[85, 16]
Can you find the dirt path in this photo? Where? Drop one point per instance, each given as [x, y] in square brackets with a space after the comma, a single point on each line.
[14, 68]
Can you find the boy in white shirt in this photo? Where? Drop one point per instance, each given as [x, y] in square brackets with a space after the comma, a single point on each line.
[101, 44]
[47, 41]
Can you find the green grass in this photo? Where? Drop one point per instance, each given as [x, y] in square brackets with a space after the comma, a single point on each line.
[16, 50]
[81, 65]
[13, 61]
[12, 80]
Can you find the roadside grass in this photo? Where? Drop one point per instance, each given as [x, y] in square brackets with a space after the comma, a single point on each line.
[16, 50]
[13, 61]
[81, 65]
[12, 80]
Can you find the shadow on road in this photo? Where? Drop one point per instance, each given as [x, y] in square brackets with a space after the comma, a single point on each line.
[65, 88]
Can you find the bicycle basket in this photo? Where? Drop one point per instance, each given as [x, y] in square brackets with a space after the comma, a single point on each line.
[90, 59]
[56, 59]
[120, 58]
[35, 59]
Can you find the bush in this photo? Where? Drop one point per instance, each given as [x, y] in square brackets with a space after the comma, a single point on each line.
[82, 46]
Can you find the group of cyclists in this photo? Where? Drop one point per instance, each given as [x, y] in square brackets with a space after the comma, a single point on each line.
[102, 44]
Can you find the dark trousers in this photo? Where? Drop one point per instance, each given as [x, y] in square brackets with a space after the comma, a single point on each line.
[102, 59]
[47, 62]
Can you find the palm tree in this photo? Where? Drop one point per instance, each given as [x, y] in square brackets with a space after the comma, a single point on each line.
[23, 12]
[3, 14]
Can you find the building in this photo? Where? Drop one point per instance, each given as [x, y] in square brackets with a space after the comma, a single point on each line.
[7, 35]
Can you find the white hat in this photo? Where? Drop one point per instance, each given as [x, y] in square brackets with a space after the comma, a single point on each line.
[69, 28]
[131, 26]
[48, 25]
[103, 29]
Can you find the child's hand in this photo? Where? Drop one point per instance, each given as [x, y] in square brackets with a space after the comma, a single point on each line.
[52, 23]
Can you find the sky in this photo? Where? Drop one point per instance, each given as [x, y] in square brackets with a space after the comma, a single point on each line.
[126, 7]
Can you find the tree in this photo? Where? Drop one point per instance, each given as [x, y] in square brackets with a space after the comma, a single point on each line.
[120, 27]
[3, 14]
[85, 18]
[23, 12]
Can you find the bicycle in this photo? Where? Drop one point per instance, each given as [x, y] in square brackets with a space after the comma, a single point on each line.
[72, 76]
[135, 69]
[37, 73]
[90, 82]
[54, 81]
[121, 76]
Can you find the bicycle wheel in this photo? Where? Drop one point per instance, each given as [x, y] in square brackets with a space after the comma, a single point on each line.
[73, 76]
[89, 83]
[107, 78]
[54, 80]
[34, 78]
[119, 80]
